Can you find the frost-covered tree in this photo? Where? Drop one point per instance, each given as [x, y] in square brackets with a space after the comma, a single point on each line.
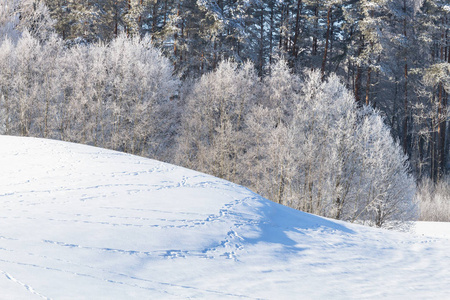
[17, 16]
[118, 95]
[349, 166]
[211, 137]
[142, 86]
[268, 157]
[49, 87]
[26, 83]
[7, 78]
[323, 126]
[8, 18]
[269, 152]
[328, 157]
[387, 184]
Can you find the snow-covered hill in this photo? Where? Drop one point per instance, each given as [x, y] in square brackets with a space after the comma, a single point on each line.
[79, 222]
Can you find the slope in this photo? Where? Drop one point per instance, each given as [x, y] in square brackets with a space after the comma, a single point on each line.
[79, 222]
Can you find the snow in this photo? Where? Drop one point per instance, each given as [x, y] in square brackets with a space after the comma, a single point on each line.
[432, 229]
[79, 222]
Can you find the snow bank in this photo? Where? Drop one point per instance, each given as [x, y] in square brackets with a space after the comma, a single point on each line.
[88, 223]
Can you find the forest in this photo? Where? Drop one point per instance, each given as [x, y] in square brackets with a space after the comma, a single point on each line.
[333, 107]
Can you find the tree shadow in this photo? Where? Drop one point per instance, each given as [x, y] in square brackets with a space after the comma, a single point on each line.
[278, 220]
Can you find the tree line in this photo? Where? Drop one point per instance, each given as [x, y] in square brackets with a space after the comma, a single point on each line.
[85, 74]
[393, 54]
[299, 139]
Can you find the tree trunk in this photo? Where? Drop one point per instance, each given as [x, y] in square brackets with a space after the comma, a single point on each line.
[358, 74]
[369, 72]
[441, 130]
[405, 117]
[327, 38]
[271, 4]
[281, 185]
[369, 76]
[405, 107]
[116, 20]
[175, 39]
[316, 28]
[261, 43]
[297, 29]
[154, 19]
[282, 21]
[141, 2]
[165, 13]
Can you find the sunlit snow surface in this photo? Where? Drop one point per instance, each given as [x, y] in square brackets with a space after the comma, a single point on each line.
[79, 222]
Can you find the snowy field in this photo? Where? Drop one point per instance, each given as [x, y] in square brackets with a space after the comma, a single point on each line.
[432, 229]
[80, 222]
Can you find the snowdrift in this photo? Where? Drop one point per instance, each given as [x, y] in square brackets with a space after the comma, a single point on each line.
[79, 222]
